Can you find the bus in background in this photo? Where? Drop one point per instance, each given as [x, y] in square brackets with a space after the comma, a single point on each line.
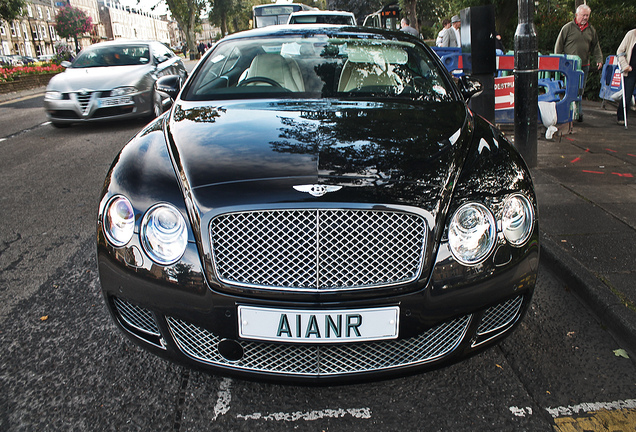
[275, 13]
[387, 18]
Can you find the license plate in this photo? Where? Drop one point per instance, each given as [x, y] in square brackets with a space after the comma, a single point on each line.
[330, 326]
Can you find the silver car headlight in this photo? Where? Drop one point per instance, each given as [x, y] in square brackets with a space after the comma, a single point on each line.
[472, 233]
[119, 221]
[120, 91]
[164, 234]
[517, 219]
[53, 95]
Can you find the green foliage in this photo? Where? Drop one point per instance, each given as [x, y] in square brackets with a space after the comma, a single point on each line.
[11, 9]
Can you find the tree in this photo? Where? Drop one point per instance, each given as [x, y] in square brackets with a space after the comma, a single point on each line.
[11, 9]
[187, 13]
[222, 11]
[71, 22]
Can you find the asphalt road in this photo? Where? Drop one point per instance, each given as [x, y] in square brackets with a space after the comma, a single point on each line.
[64, 365]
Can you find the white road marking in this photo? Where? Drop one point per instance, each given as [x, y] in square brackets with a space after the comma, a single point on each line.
[224, 397]
[591, 407]
[361, 413]
[224, 394]
[570, 410]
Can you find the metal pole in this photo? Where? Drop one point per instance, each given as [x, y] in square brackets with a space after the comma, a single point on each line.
[624, 97]
[526, 83]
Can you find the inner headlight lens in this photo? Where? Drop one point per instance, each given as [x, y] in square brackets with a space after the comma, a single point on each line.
[164, 234]
[472, 233]
[119, 221]
[53, 95]
[120, 91]
[517, 219]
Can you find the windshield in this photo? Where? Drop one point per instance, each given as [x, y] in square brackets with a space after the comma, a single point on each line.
[125, 55]
[316, 65]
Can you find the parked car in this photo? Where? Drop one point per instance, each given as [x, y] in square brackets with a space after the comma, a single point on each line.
[46, 57]
[322, 17]
[27, 60]
[319, 204]
[111, 80]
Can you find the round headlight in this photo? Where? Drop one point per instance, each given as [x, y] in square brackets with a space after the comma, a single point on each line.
[119, 221]
[517, 219]
[164, 234]
[472, 233]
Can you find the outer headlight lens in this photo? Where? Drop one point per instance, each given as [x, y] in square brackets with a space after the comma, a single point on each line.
[119, 221]
[472, 233]
[120, 91]
[53, 95]
[517, 219]
[164, 234]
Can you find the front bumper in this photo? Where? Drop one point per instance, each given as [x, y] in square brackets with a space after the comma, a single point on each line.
[175, 314]
[74, 107]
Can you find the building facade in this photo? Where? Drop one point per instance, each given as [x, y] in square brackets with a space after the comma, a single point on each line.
[124, 22]
[33, 33]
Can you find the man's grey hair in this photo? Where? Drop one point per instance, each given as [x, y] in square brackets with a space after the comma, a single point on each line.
[582, 8]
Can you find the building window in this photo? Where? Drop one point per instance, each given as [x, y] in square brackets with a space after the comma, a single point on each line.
[25, 31]
[29, 11]
[48, 14]
[40, 12]
[14, 31]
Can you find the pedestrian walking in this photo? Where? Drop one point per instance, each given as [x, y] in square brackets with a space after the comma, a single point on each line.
[627, 63]
[451, 36]
[406, 27]
[440, 36]
[579, 38]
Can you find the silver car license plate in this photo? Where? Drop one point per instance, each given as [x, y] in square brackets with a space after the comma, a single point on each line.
[330, 326]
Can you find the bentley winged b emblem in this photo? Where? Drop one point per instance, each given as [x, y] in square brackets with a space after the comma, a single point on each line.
[317, 190]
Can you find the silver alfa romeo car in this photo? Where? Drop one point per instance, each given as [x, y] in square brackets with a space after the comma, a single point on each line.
[111, 80]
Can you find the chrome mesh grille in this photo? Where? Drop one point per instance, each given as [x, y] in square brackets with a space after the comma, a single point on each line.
[136, 316]
[318, 249]
[316, 360]
[499, 316]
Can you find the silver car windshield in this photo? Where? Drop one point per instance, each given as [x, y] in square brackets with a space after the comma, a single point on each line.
[126, 55]
[317, 65]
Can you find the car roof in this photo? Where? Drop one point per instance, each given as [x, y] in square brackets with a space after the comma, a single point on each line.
[323, 12]
[319, 29]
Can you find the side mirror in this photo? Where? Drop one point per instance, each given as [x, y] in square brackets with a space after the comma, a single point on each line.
[65, 64]
[469, 86]
[170, 85]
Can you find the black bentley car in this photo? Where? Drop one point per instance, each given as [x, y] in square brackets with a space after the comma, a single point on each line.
[318, 205]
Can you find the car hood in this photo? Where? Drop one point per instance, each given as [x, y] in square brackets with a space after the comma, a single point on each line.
[243, 153]
[98, 78]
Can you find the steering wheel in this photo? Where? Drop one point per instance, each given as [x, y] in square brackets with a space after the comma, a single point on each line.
[264, 80]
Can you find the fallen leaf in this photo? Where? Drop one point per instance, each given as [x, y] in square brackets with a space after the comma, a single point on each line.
[621, 353]
[44, 318]
[499, 366]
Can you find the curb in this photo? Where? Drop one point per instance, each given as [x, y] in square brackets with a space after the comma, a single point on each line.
[594, 294]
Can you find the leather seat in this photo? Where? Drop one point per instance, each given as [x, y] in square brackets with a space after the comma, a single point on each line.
[358, 75]
[278, 68]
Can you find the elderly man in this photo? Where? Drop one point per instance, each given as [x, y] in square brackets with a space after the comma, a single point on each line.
[579, 38]
[406, 27]
[451, 37]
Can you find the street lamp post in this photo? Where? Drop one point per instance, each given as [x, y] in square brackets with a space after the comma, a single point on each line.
[526, 83]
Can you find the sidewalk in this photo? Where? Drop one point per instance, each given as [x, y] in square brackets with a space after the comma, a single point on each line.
[586, 189]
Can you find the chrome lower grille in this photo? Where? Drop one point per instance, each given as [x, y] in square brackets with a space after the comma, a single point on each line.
[318, 249]
[500, 316]
[136, 316]
[323, 360]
